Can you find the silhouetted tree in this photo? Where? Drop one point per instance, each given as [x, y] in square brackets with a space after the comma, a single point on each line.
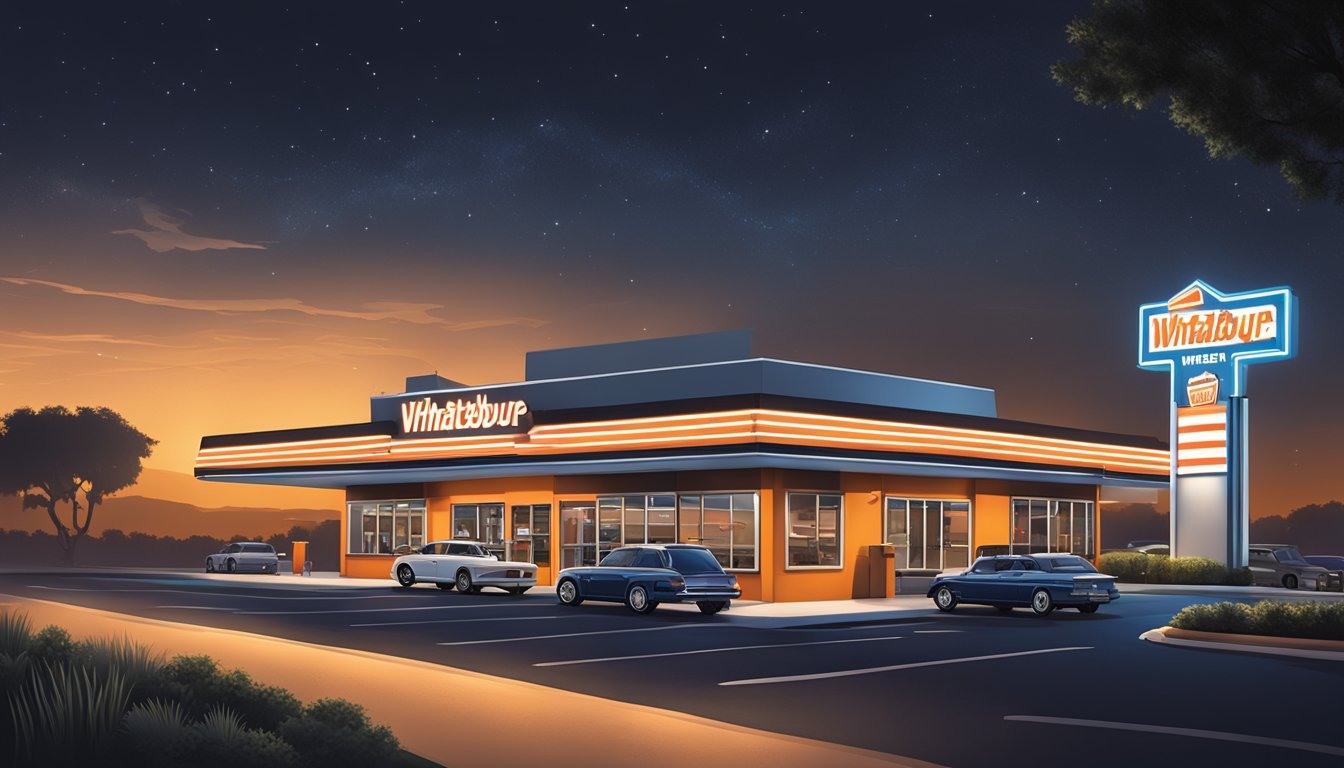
[1260, 80]
[56, 456]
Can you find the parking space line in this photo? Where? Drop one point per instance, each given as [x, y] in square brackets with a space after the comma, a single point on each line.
[938, 631]
[223, 593]
[1195, 733]
[710, 650]
[895, 667]
[454, 621]
[584, 634]
[394, 610]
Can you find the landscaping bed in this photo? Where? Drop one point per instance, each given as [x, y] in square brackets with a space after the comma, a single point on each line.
[1310, 619]
[114, 702]
[1136, 568]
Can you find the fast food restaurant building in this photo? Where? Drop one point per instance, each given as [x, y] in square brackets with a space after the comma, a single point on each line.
[788, 472]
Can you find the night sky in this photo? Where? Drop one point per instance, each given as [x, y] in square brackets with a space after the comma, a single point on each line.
[217, 218]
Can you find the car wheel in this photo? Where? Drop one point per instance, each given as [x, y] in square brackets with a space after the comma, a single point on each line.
[231, 566]
[464, 581]
[209, 566]
[1041, 602]
[1004, 608]
[637, 600]
[443, 586]
[405, 576]
[568, 592]
[944, 599]
[1089, 608]
[1290, 581]
[711, 607]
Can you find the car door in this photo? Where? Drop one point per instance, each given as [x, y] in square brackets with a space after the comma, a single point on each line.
[977, 583]
[1014, 583]
[1264, 568]
[608, 579]
[426, 564]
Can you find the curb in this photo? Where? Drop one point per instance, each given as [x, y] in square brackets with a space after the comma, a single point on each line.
[1324, 650]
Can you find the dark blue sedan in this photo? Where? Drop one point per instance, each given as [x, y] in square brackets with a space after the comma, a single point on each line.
[646, 575]
[1040, 582]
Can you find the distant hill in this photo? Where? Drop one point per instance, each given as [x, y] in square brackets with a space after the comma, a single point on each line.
[169, 518]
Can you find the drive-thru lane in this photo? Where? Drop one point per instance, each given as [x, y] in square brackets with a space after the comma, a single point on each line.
[958, 689]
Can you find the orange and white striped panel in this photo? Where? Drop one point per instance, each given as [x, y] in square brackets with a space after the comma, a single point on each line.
[1201, 440]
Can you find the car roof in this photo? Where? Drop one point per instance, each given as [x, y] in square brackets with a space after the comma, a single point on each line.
[662, 546]
[457, 541]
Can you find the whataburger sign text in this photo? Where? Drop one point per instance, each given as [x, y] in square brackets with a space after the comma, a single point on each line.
[1202, 333]
[477, 414]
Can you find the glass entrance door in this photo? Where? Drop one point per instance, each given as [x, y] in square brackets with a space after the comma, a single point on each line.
[578, 533]
[929, 533]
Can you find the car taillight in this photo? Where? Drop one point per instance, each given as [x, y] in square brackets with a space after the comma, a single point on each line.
[736, 585]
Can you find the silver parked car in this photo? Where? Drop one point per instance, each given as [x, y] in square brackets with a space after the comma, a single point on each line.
[1282, 565]
[244, 557]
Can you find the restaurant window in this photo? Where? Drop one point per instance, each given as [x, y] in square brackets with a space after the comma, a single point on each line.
[379, 527]
[725, 523]
[815, 530]
[929, 533]
[1054, 525]
[483, 523]
[530, 533]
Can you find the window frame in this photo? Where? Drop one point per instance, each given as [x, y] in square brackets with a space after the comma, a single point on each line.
[839, 524]
[677, 526]
[943, 546]
[1052, 510]
[408, 515]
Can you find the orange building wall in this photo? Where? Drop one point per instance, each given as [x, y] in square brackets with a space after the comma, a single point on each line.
[862, 519]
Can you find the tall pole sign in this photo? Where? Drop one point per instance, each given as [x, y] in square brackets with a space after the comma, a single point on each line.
[1206, 339]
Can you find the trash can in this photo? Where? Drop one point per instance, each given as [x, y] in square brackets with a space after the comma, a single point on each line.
[300, 553]
[881, 570]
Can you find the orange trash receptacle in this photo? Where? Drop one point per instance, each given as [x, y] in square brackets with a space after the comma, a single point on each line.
[300, 555]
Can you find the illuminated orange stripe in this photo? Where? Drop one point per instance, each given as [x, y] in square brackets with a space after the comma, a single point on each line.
[1204, 444]
[806, 429]
[1207, 462]
[1200, 410]
[324, 441]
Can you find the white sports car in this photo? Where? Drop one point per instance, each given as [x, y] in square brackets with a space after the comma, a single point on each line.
[242, 556]
[465, 565]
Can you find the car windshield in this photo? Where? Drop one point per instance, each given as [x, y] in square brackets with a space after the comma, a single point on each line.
[1289, 555]
[689, 561]
[1073, 564]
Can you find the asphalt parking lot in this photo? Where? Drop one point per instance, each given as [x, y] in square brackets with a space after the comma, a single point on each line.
[958, 689]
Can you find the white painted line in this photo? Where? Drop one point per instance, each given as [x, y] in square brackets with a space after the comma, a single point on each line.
[455, 621]
[395, 610]
[938, 631]
[1195, 733]
[584, 634]
[709, 650]
[223, 593]
[193, 607]
[895, 667]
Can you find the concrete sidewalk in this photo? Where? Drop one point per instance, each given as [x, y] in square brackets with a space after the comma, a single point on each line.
[460, 718]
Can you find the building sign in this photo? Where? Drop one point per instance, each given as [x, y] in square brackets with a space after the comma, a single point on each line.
[1207, 338]
[430, 415]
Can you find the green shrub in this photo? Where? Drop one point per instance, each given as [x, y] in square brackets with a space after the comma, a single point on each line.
[198, 682]
[221, 737]
[1315, 619]
[1136, 568]
[156, 733]
[1127, 567]
[1239, 577]
[1196, 570]
[65, 715]
[335, 733]
[139, 664]
[52, 645]
[1159, 569]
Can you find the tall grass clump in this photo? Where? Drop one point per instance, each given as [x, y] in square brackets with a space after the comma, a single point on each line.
[65, 715]
[139, 664]
[16, 633]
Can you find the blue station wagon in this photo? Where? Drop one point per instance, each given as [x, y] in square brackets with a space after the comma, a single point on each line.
[646, 575]
[1042, 582]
